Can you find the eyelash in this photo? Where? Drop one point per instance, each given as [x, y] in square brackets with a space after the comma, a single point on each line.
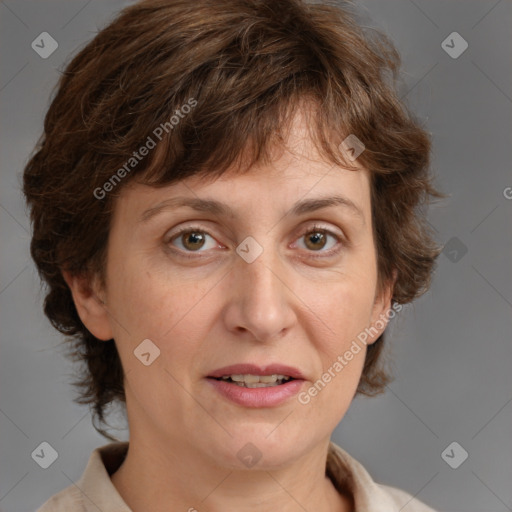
[314, 229]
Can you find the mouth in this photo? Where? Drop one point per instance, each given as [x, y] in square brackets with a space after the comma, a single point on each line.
[255, 381]
[251, 385]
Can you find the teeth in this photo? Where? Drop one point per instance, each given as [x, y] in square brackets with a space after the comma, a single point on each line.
[248, 379]
[258, 384]
[270, 378]
[257, 381]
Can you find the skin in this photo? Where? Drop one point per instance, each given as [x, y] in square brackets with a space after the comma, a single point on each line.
[205, 313]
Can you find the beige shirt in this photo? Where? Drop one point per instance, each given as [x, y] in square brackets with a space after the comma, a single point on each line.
[94, 490]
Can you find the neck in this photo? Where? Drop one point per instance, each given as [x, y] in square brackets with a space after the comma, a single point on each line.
[152, 477]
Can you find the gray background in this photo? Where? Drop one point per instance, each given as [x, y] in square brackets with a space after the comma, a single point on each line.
[452, 349]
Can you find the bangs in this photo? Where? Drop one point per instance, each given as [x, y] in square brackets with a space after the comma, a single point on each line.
[244, 138]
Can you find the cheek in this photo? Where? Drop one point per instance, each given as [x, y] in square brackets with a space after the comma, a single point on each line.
[160, 306]
[342, 309]
[341, 355]
[354, 309]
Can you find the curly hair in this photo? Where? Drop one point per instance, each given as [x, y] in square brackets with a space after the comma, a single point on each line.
[247, 64]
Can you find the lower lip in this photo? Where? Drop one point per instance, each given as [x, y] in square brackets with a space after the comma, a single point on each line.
[257, 397]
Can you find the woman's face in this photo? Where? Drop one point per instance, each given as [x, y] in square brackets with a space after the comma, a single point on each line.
[261, 278]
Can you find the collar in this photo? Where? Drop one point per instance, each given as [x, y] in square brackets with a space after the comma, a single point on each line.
[97, 491]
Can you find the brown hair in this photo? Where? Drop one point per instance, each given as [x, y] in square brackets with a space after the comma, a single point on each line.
[247, 65]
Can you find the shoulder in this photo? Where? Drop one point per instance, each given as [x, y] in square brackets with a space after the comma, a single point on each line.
[349, 474]
[67, 500]
[94, 489]
[404, 500]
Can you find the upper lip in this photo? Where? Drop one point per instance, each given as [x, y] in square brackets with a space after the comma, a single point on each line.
[252, 369]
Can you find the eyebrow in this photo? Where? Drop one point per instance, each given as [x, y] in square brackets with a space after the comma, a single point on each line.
[221, 209]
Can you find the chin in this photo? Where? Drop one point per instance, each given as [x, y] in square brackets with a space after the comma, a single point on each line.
[258, 450]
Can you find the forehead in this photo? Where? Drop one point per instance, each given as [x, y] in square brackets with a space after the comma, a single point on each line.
[260, 198]
[296, 170]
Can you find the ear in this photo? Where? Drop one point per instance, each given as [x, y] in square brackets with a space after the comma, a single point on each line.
[380, 312]
[89, 304]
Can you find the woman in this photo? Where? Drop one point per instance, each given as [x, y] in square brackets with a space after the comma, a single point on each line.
[225, 205]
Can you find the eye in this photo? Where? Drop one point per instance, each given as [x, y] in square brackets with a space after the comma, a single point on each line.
[192, 239]
[317, 238]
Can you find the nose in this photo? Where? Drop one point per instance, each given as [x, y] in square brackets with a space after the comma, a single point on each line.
[261, 300]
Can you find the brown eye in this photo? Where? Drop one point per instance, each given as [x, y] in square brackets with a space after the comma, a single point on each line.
[192, 240]
[315, 240]
[320, 240]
